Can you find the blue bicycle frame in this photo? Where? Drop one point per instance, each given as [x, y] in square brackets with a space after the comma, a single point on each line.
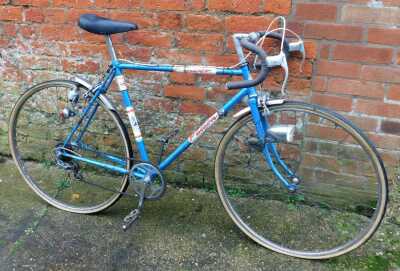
[116, 73]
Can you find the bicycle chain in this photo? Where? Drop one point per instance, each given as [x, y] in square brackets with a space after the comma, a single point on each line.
[78, 177]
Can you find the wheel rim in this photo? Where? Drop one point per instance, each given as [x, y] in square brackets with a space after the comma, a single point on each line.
[37, 128]
[290, 223]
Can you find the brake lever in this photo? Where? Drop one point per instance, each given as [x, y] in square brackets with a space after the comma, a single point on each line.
[298, 46]
[280, 61]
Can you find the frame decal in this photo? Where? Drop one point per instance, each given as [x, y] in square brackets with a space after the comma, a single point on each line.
[121, 82]
[199, 132]
[134, 123]
[196, 69]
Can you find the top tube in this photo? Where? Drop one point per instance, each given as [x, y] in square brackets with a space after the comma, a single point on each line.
[197, 69]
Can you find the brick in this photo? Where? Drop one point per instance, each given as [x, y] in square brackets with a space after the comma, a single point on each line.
[360, 53]
[147, 38]
[177, 56]
[54, 32]
[381, 74]
[34, 15]
[319, 83]
[216, 80]
[87, 66]
[394, 92]
[35, 3]
[333, 32]
[85, 4]
[198, 4]
[196, 108]
[241, 23]
[9, 13]
[143, 20]
[390, 127]
[4, 43]
[120, 4]
[299, 69]
[341, 69]
[365, 123]
[9, 29]
[334, 102]
[324, 51]
[316, 11]
[165, 4]
[64, 3]
[183, 78]
[384, 36]
[311, 48]
[204, 22]
[55, 16]
[221, 60]
[26, 31]
[299, 86]
[136, 53]
[170, 20]
[159, 104]
[367, 15]
[248, 6]
[391, 159]
[296, 26]
[201, 42]
[386, 141]
[282, 7]
[220, 95]
[72, 15]
[91, 38]
[188, 92]
[377, 108]
[355, 87]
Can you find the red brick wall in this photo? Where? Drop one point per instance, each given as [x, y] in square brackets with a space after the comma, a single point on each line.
[351, 65]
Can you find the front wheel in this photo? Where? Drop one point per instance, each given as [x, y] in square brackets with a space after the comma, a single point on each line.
[341, 186]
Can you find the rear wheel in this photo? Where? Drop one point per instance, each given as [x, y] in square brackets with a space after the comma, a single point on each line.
[40, 122]
[341, 196]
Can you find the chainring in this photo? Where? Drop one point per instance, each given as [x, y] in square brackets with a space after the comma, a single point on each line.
[147, 179]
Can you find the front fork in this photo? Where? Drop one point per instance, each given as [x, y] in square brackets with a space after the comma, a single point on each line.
[270, 150]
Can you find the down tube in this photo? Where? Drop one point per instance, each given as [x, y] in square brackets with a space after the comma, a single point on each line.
[187, 143]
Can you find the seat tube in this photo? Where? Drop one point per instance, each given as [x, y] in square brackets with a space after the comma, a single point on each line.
[130, 111]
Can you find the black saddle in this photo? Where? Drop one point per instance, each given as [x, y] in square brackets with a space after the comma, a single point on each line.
[103, 26]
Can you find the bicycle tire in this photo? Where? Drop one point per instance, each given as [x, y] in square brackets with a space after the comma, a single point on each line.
[231, 199]
[23, 165]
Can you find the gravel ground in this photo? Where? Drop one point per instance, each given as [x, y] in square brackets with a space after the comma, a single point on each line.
[185, 230]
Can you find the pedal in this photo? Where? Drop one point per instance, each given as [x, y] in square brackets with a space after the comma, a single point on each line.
[130, 219]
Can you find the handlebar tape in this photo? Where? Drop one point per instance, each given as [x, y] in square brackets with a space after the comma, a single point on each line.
[264, 67]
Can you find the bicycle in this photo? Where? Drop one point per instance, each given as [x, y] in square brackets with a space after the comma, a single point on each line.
[295, 177]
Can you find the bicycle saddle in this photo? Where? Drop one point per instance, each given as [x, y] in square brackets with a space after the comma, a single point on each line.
[103, 26]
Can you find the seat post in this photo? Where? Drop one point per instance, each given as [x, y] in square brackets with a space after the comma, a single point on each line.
[110, 48]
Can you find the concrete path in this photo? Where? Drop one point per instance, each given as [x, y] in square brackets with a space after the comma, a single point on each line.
[186, 230]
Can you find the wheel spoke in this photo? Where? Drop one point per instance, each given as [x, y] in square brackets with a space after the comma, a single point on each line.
[337, 201]
[38, 132]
